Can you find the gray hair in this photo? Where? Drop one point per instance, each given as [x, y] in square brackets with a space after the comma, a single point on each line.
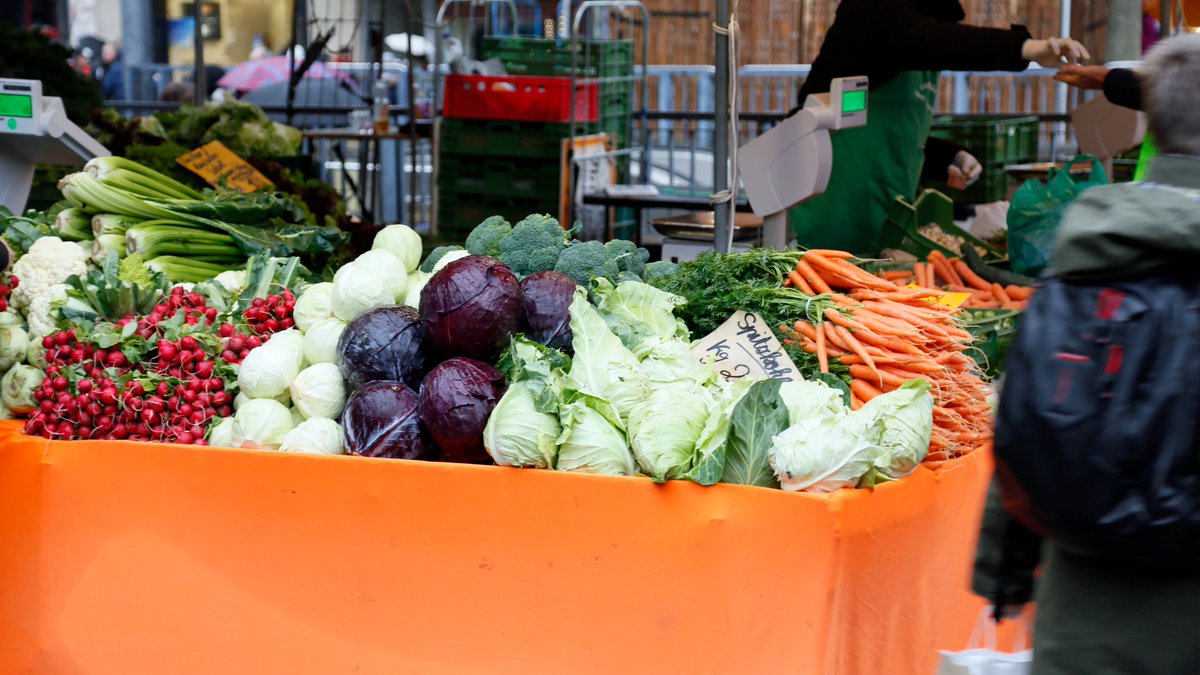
[1171, 89]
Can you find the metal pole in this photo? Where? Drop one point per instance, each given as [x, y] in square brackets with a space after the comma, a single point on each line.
[201, 93]
[1060, 89]
[721, 219]
[1166, 10]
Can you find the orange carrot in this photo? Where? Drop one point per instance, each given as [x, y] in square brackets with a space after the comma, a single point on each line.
[1018, 293]
[811, 276]
[897, 275]
[863, 389]
[885, 378]
[804, 328]
[857, 277]
[856, 347]
[941, 268]
[832, 337]
[919, 273]
[797, 280]
[829, 253]
[998, 291]
[973, 280]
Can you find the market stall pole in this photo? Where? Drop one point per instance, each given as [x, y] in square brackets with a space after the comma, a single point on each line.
[34, 129]
[791, 163]
[723, 231]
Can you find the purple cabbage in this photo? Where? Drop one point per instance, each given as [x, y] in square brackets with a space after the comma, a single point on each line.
[547, 298]
[382, 420]
[457, 397]
[471, 308]
[386, 343]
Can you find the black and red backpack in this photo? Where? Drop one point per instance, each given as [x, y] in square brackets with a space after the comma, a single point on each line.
[1098, 430]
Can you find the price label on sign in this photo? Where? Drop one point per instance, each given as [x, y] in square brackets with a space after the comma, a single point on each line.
[744, 346]
[216, 163]
[952, 300]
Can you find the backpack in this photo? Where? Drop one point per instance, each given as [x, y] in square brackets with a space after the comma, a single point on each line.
[1097, 429]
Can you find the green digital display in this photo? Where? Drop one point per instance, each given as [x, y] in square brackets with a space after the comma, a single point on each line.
[16, 105]
[854, 101]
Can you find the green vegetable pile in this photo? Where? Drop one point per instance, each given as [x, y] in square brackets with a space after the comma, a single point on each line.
[540, 244]
[189, 236]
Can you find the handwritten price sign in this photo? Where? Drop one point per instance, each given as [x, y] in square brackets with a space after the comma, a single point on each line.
[216, 163]
[744, 346]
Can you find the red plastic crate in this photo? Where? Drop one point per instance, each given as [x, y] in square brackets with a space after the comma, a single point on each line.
[520, 99]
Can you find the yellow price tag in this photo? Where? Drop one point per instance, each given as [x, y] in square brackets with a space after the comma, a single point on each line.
[952, 300]
[216, 163]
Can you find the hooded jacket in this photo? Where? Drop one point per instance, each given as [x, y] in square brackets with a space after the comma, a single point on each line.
[1133, 229]
[1092, 618]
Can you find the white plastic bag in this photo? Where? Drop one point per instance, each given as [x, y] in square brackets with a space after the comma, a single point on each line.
[981, 657]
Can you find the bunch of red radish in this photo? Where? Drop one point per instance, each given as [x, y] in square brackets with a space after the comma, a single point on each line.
[272, 314]
[104, 409]
[193, 305]
[64, 349]
[6, 290]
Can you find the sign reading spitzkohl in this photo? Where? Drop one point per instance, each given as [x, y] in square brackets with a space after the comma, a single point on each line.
[745, 346]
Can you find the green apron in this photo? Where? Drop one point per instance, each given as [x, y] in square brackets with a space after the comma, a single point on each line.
[872, 165]
[1148, 151]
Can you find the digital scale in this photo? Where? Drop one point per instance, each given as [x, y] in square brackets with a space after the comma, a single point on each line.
[34, 129]
[791, 163]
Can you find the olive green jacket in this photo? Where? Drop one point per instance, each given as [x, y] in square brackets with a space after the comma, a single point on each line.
[1092, 618]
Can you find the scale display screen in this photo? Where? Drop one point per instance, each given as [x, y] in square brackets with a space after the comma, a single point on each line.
[854, 101]
[16, 105]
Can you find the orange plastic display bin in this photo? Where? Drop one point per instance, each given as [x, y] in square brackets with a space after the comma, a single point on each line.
[140, 558]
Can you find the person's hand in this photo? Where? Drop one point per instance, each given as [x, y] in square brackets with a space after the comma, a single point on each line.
[1084, 77]
[1054, 52]
[963, 171]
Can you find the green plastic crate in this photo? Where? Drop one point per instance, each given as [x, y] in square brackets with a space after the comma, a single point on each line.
[503, 138]
[459, 213]
[500, 176]
[900, 228]
[995, 140]
[552, 58]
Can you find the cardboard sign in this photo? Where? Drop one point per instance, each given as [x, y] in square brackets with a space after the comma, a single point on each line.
[216, 163]
[951, 300]
[745, 346]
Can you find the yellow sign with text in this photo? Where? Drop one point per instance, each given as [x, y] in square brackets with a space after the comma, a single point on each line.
[217, 164]
[952, 300]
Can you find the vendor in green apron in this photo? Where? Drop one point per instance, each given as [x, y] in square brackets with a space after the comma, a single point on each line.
[901, 45]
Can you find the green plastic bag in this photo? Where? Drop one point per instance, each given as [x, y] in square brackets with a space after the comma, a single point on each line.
[1036, 210]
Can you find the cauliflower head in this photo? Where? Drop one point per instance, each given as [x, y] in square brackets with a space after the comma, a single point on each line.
[48, 262]
[41, 310]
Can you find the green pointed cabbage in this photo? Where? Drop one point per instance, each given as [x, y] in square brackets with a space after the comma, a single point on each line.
[590, 443]
[602, 366]
[665, 429]
[518, 434]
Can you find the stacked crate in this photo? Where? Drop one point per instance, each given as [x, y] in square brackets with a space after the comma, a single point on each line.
[512, 167]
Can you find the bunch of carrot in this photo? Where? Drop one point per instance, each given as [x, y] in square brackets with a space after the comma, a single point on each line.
[886, 335]
[952, 274]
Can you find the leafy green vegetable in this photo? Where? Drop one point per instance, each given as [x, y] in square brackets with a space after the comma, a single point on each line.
[901, 421]
[436, 255]
[665, 428]
[584, 261]
[533, 245]
[485, 238]
[757, 418]
[590, 442]
[119, 288]
[603, 366]
[518, 433]
[637, 312]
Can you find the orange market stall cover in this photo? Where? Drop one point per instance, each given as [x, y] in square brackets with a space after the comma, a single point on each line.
[141, 558]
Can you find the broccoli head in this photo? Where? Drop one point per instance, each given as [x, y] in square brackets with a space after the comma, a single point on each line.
[627, 255]
[486, 237]
[584, 261]
[659, 271]
[533, 245]
[435, 255]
